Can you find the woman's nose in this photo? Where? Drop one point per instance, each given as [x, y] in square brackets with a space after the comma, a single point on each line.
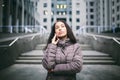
[59, 29]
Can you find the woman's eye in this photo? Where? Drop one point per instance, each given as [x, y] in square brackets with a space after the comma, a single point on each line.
[62, 26]
[56, 27]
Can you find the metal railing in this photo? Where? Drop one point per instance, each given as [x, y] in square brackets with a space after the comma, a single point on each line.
[116, 39]
[95, 29]
[34, 30]
[10, 44]
[14, 39]
[87, 30]
[23, 29]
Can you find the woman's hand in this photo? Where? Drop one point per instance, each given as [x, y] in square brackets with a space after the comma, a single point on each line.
[51, 70]
[55, 39]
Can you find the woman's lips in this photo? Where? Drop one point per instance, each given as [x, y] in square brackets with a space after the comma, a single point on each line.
[60, 33]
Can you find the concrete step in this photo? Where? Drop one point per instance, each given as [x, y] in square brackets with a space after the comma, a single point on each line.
[89, 57]
[40, 58]
[99, 62]
[97, 58]
[28, 61]
[84, 62]
[83, 47]
[33, 53]
[30, 58]
[92, 53]
[86, 53]
[40, 46]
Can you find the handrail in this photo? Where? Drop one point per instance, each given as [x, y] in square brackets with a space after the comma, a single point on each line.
[10, 43]
[13, 41]
[116, 41]
[106, 37]
[16, 38]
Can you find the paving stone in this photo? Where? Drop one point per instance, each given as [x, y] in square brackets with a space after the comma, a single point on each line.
[37, 72]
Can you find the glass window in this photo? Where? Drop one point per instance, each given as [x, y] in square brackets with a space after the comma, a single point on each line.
[113, 11]
[86, 10]
[86, 3]
[91, 16]
[45, 20]
[52, 5]
[91, 23]
[118, 1]
[57, 6]
[77, 27]
[45, 27]
[70, 19]
[91, 10]
[78, 4]
[70, 12]
[45, 12]
[118, 8]
[77, 20]
[118, 17]
[77, 12]
[61, 12]
[112, 3]
[52, 19]
[52, 13]
[113, 19]
[91, 3]
[61, 6]
[45, 5]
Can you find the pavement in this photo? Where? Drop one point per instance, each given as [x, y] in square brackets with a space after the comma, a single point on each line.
[37, 72]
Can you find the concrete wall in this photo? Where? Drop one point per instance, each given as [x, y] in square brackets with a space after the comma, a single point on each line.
[103, 45]
[9, 54]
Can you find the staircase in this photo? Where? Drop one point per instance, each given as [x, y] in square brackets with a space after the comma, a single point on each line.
[89, 56]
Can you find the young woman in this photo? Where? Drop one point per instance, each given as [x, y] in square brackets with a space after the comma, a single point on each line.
[62, 55]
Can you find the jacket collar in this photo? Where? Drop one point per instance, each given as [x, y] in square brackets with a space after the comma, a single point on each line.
[64, 43]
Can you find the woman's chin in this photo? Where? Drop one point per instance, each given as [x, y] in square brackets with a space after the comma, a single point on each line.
[61, 36]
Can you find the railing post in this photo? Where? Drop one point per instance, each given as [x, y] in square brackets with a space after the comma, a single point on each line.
[113, 29]
[98, 27]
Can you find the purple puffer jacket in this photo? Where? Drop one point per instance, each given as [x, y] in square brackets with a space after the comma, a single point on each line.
[63, 58]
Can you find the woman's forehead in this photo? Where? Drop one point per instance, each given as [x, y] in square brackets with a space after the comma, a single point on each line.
[59, 23]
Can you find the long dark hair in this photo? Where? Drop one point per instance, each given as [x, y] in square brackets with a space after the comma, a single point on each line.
[70, 34]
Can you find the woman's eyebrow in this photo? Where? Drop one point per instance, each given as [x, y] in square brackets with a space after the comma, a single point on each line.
[62, 24]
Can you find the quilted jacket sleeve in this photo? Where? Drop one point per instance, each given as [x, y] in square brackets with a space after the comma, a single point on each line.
[48, 60]
[74, 66]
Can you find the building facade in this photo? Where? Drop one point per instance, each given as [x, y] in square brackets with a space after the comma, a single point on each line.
[16, 14]
[71, 11]
[102, 14]
[115, 13]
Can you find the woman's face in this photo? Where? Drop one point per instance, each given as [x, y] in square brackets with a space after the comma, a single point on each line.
[60, 29]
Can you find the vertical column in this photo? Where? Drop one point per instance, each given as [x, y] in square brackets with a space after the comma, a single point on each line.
[10, 28]
[22, 16]
[1, 11]
[16, 18]
[25, 19]
[6, 12]
[1, 5]
[110, 14]
[9, 20]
